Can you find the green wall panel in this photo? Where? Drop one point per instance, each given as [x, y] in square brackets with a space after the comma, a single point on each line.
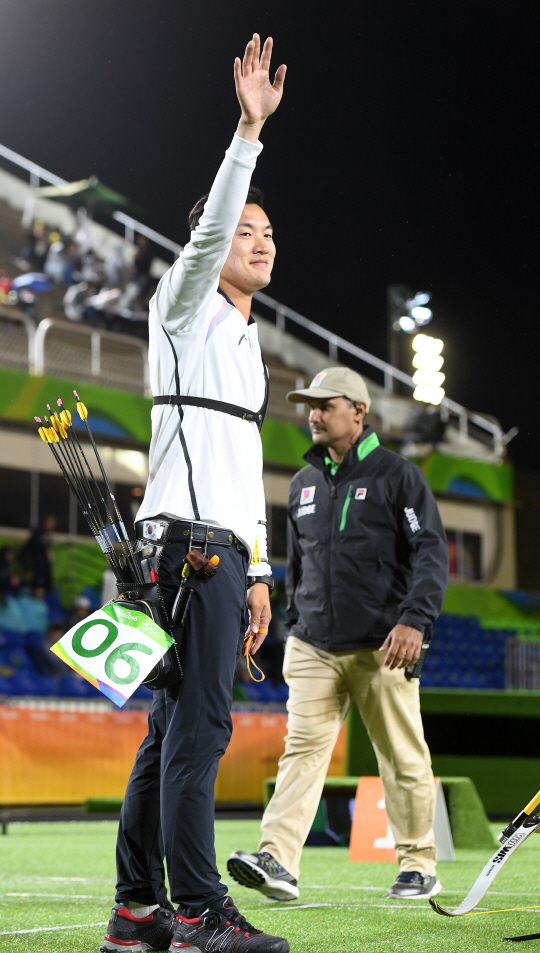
[23, 397]
[496, 480]
[505, 785]
[284, 444]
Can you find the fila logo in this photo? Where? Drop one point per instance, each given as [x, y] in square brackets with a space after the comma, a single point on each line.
[307, 495]
[413, 519]
[360, 493]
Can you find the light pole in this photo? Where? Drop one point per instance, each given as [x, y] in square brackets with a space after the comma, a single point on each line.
[407, 312]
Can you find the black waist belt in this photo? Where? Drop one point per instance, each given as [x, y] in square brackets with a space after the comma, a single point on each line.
[233, 409]
[183, 530]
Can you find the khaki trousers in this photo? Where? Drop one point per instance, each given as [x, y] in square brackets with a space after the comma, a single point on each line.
[322, 686]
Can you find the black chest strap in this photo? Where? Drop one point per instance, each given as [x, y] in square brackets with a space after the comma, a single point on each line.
[221, 405]
[255, 416]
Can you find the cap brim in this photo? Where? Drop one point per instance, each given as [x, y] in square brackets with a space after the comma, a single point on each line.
[317, 393]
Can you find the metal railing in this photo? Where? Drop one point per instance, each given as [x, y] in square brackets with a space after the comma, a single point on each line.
[99, 360]
[54, 347]
[334, 343]
[17, 337]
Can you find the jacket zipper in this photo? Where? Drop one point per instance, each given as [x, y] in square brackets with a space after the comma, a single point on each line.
[345, 508]
[333, 497]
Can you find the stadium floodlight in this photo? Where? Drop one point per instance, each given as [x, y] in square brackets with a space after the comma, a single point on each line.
[421, 298]
[421, 315]
[428, 395]
[425, 344]
[424, 375]
[428, 362]
[425, 359]
[407, 314]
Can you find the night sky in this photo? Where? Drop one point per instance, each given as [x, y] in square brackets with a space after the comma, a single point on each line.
[405, 150]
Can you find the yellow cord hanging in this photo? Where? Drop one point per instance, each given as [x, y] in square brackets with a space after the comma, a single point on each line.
[249, 658]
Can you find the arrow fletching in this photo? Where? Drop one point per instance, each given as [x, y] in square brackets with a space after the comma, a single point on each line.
[73, 463]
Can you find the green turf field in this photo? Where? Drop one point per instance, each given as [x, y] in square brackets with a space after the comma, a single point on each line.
[57, 884]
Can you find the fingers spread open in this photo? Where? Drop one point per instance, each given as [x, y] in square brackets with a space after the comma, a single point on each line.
[247, 65]
[267, 54]
[280, 78]
[237, 71]
[256, 50]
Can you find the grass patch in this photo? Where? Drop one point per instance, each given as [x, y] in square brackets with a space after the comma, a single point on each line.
[57, 875]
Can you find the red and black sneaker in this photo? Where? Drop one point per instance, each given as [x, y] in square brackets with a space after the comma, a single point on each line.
[223, 929]
[134, 934]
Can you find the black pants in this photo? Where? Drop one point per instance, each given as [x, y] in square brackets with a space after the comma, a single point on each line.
[169, 804]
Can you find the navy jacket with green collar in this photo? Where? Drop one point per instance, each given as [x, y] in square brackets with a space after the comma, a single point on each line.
[366, 548]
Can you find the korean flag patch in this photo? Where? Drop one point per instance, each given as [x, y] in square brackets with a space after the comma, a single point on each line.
[307, 495]
[360, 493]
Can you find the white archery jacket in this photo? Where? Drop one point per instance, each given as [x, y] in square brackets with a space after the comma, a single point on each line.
[205, 465]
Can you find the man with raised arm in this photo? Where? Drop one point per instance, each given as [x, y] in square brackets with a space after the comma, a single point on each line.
[205, 491]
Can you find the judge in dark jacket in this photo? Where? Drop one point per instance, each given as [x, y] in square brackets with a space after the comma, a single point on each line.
[367, 575]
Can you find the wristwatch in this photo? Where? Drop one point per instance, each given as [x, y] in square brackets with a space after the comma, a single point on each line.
[268, 581]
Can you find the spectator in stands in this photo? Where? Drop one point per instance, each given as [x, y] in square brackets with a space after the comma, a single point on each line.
[37, 246]
[143, 261]
[92, 268]
[35, 554]
[5, 285]
[115, 269]
[75, 300]
[56, 260]
[26, 301]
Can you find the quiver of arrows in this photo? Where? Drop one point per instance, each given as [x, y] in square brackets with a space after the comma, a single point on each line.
[103, 518]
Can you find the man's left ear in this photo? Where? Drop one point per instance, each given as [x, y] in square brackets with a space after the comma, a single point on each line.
[360, 409]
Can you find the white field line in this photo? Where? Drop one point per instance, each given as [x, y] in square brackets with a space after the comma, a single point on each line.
[458, 890]
[64, 896]
[101, 923]
[339, 887]
[73, 926]
[343, 906]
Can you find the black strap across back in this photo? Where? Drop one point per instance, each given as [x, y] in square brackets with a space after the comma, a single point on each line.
[225, 408]
[256, 416]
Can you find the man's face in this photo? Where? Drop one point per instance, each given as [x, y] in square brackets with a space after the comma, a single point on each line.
[251, 258]
[334, 419]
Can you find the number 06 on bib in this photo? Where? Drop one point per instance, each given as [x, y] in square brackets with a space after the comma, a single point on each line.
[114, 649]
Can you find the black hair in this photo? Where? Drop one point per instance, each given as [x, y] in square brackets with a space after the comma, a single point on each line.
[254, 197]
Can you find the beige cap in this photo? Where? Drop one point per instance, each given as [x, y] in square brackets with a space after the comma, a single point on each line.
[334, 382]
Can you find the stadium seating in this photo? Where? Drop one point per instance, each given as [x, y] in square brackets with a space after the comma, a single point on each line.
[465, 655]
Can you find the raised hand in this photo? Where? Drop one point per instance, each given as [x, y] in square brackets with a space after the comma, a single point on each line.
[257, 96]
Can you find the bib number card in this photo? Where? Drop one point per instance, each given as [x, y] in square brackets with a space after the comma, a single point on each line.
[114, 649]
